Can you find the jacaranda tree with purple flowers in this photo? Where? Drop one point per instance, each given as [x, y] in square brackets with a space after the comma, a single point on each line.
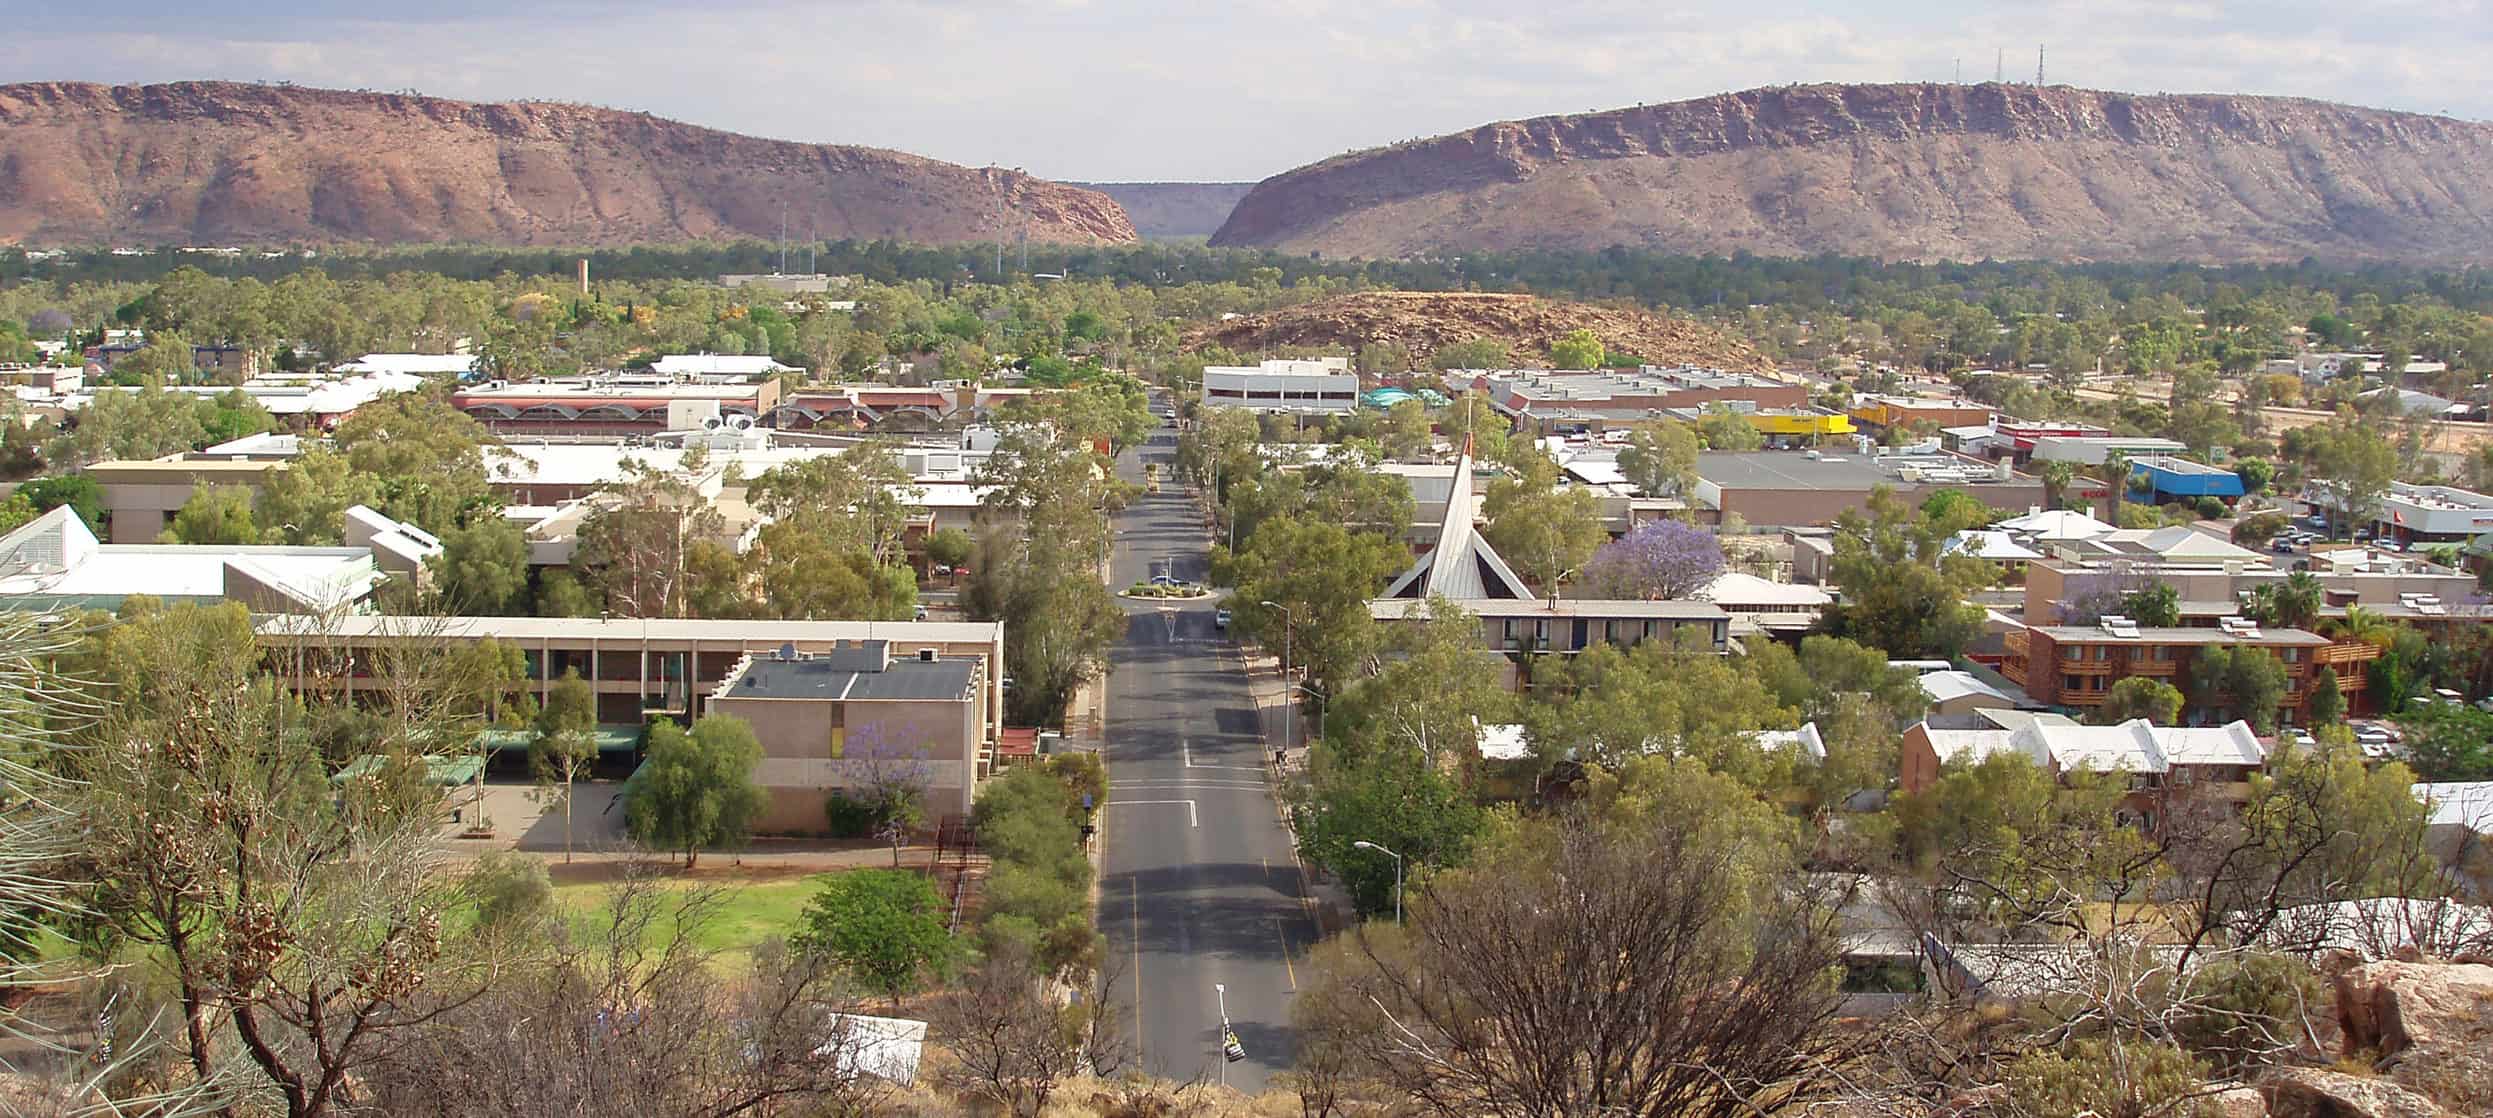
[1661, 559]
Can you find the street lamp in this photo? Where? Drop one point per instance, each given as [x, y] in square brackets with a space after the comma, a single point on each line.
[1289, 722]
[1231, 1050]
[1364, 844]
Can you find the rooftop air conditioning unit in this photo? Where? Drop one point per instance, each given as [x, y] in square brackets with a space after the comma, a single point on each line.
[927, 655]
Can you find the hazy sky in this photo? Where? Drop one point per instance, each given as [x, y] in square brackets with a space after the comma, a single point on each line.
[1239, 89]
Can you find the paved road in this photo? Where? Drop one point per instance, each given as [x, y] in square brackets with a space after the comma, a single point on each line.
[1198, 887]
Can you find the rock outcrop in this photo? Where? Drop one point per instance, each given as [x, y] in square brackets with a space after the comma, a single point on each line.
[1920, 172]
[228, 163]
[2428, 1026]
[1424, 322]
[2313, 1093]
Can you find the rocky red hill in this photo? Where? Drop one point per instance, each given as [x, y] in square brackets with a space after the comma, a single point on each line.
[1425, 322]
[222, 163]
[1913, 172]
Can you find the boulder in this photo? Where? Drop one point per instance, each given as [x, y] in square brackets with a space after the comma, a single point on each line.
[2429, 1026]
[2234, 1102]
[2315, 1093]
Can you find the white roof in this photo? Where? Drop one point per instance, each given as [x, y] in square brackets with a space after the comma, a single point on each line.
[1596, 471]
[728, 632]
[1805, 739]
[1503, 742]
[2178, 541]
[887, 1048]
[2466, 804]
[1973, 746]
[1989, 544]
[1737, 588]
[2382, 927]
[1946, 686]
[415, 364]
[718, 365]
[54, 556]
[2054, 524]
[2142, 746]
[266, 444]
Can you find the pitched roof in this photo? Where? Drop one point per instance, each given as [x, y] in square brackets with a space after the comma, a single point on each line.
[1951, 685]
[2054, 524]
[1988, 544]
[1462, 565]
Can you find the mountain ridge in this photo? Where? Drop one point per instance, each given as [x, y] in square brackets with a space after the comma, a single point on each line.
[1913, 171]
[218, 162]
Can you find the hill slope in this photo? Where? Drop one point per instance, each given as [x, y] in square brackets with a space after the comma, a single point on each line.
[1912, 172]
[1165, 210]
[1424, 322]
[220, 162]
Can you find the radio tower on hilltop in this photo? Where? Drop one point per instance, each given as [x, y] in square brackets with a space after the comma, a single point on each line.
[2038, 65]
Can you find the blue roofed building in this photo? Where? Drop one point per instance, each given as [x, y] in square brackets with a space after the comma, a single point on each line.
[2161, 479]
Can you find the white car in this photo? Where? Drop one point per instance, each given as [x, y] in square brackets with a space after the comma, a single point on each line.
[1220, 618]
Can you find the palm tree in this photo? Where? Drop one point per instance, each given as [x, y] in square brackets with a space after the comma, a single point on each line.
[2296, 603]
[2115, 475]
[2056, 477]
[2361, 624]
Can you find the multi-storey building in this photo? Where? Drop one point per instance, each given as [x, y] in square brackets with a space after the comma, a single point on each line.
[2076, 666]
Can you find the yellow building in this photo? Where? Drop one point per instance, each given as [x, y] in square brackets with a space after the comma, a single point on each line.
[1798, 424]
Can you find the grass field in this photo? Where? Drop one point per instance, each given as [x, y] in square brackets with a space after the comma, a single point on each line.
[750, 908]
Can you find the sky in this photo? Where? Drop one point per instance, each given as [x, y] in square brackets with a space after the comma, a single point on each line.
[1129, 90]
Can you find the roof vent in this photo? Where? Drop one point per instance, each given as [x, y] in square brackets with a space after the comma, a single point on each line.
[786, 652]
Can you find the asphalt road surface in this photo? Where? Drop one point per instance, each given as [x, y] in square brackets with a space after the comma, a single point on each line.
[1198, 886]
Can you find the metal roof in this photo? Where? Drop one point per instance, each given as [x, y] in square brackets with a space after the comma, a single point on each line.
[847, 678]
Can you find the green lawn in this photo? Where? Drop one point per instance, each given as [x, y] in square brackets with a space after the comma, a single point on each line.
[747, 912]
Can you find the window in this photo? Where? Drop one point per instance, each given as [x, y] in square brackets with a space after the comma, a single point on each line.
[2072, 683]
[837, 720]
[2073, 652]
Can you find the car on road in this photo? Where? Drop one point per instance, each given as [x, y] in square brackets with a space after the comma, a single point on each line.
[921, 611]
[1167, 580]
[1220, 618]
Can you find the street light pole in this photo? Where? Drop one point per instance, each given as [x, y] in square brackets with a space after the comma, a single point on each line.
[1231, 1050]
[1364, 844]
[1289, 706]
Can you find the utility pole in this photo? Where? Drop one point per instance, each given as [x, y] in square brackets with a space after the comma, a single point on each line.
[2038, 65]
[1999, 65]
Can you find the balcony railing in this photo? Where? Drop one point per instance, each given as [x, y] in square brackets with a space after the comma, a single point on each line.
[2346, 652]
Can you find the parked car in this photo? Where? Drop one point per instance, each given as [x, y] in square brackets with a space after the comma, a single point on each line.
[921, 611]
[1220, 618]
[2284, 546]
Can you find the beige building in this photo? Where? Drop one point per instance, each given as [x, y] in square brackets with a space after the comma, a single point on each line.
[638, 666]
[858, 716]
[141, 495]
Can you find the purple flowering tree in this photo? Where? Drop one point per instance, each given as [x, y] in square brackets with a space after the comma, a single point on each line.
[1660, 560]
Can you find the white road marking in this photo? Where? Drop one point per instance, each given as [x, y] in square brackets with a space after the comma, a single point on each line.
[1239, 785]
[1191, 820]
[1188, 752]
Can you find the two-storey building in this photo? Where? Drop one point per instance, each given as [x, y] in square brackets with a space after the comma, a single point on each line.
[2076, 665]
